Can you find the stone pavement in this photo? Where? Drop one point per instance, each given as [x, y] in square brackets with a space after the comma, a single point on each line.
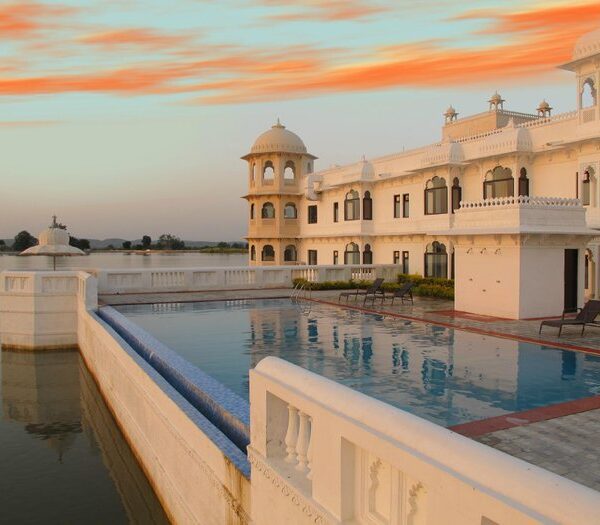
[568, 446]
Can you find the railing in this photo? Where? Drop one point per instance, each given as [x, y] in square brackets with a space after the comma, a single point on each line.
[243, 277]
[545, 120]
[532, 202]
[323, 453]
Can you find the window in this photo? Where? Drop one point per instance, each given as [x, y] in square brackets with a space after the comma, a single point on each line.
[585, 188]
[290, 254]
[251, 211]
[268, 173]
[268, 253]
[523, 183]
[405, 266]
[336, 211]
[396, 257]
[588, 94]
[456, 194]
[253, 174]
[312, 257]
[436, 260]
[436, 196]
[253, 253]
[367, 207]
[498, 183]
[290, 212]
[268, 211]
[336, 257]
[397, 206]
[289, 173]
[308, 167]
[312, 214]
[367, 255]
[352, 254]
[405, 205]
[352, 206]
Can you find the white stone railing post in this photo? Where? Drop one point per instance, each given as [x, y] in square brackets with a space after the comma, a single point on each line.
[291, 436]
[303, 442]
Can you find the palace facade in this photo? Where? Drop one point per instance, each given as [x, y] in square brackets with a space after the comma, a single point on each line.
[404, 208]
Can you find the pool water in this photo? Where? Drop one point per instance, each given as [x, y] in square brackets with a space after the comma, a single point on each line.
[62, 457]
[444, 375]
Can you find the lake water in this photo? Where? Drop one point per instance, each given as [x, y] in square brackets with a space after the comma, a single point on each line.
[110, 261]
[62, 457]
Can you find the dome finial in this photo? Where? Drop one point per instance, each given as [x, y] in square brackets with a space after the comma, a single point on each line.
[279, 124]
[54, 223]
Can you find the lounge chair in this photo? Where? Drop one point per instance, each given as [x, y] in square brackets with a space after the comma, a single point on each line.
[585, 316]
[405, 291]
[372, 290]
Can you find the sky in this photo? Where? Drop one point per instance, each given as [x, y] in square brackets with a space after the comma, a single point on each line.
[129, 117]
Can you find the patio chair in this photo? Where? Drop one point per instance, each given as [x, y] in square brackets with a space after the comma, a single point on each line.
[585, 316]
[374, 289]
[405, 291]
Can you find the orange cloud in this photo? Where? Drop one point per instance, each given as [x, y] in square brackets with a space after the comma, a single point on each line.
[325, 10]
[22, 19]
[134, 37]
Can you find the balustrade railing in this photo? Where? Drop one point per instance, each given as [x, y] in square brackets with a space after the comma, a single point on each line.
[522, 200]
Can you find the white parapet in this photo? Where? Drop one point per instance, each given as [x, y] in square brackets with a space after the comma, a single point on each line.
[38, 310]
[232, 278]
[322, 453]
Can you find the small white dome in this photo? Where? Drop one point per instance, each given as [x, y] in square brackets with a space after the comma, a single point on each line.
[53, 241]
[450, 111]
[278, 140]
[588, 45]
[496, 98]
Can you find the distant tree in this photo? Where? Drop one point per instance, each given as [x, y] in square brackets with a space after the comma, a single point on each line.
[127, 245]
[2, 245]
[82, 244]
[239, 245]
[146, 241]
[24, 240]
[223, 245]
[110, 247]
[168, 241]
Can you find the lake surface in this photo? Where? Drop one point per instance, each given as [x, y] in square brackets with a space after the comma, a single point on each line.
[111, 261]
[63, 459]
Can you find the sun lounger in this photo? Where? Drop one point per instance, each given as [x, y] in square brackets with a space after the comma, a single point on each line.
[372, 290]
[585, 316]
[405, 291]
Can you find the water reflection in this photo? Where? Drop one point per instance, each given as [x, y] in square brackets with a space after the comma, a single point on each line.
[446, 376]
[63, 458]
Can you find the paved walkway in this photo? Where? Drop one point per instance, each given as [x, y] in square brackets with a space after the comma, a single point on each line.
[568, 445]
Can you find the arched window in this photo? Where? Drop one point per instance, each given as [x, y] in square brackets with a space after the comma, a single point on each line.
[268, 211]
[290, 212]
[308, 167]
[436, 260]
[456, 194]
[367, 255]
[268, 253]
[268, 173]
[253, 253]
[253, 173]
[290, 254]
[588, 94]
[367, 207]
[352, 206]
[498, 183]
[588, 187]
[289, 173]
[436, 196]
[523, 183]
[352, 254]
[251, 211]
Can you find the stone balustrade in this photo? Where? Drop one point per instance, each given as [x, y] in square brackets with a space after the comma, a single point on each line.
[521, 200]
[322, 453]
[232, 278]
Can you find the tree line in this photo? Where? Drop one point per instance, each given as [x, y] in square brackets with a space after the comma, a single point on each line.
[166, 241]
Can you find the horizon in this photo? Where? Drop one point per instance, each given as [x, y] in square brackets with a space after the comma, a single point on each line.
[126, 120]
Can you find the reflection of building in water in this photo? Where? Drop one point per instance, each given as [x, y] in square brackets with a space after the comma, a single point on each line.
[53, 395]
[408, 363]
[137, 495]
[41, 390]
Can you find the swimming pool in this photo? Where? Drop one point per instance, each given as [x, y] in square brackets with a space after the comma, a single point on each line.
[444, 375]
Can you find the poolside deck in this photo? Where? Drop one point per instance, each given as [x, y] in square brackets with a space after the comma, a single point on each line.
[564, 440]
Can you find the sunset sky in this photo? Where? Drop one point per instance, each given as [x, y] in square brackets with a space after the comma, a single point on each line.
[128, 117]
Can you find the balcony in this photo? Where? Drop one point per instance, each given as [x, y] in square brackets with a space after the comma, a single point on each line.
[550, 215]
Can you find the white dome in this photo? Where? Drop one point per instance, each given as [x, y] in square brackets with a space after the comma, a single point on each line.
[588, 45]
[278, 140]
[53, 241]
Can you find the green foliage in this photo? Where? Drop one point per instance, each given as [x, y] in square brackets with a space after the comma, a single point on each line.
[127, 245]
[24, 240]
[82, 244]
[168, 241]
[146, 241]
[424, 286]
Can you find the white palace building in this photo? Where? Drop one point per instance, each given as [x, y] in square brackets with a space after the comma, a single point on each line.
[507, 203]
